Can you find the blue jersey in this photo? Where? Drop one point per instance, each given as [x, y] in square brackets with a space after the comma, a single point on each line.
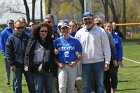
[118, 45]
[68, 49]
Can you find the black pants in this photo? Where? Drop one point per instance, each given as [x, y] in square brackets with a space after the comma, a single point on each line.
[111, 78]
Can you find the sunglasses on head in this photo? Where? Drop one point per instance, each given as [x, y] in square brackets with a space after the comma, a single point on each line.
[43, 30]
[20, 27]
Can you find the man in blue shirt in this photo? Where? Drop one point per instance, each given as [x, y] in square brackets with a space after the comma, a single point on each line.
[4, 35]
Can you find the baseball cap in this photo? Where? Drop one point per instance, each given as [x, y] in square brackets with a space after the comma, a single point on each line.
[10, 21]
[66, 21]
[87, 15]
[64, 25]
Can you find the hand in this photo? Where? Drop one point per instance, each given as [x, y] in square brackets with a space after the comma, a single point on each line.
[115, 63]
[13, 68]
[106, 67]
[79, 56]
[120, 63]
[26, 68]
[56, 51]
[61, 65]
[72, 64]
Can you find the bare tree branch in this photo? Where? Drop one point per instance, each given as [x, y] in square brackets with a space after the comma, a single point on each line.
[18, 12]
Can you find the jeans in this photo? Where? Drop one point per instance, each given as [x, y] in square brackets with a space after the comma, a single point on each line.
[7, 66]
[55, 85]
[43, 81]
[17, 81]
[98, 70]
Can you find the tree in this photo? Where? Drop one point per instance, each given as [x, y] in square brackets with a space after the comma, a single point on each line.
[33, 10]
[124, 17]
[82, 6]
[49, 6]
[41, 11]
[27, 11]
[105, 5]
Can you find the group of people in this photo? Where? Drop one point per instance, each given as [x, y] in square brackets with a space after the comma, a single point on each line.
[83, 59]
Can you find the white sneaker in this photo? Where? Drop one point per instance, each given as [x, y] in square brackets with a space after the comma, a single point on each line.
[92, 92]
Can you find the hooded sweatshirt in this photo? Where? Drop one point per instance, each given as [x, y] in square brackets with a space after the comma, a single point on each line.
[4, 35]
[95, 45]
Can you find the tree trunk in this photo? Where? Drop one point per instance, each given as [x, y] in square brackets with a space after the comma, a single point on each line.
[82, 7]
[33, 10]
[27, 11]
[111, 4]
[124, 17]
[49, 6]
[41, 11]
[105, 4]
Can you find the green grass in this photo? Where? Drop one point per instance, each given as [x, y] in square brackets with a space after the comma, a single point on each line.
[3, 88]
[129, 79]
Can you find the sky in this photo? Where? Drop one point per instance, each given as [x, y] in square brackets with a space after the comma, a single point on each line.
[18, 5]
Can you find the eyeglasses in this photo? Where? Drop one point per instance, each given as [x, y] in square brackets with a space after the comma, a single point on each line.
[48, 21]
[43, 30]
[20, 27]
[10, 23]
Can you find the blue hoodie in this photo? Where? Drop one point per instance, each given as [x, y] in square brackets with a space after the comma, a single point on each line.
[4, 35]
[118, 45]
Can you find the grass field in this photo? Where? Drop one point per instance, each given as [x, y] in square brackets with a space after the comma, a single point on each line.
[129, 79]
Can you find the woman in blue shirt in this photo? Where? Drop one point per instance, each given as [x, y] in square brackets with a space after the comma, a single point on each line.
[69, 52]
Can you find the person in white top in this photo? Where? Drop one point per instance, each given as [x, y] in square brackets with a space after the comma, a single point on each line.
[96, 53]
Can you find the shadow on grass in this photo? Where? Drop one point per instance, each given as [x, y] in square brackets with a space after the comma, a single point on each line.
[125, 89]
[122, 81]
[24, 84]
[138, 66]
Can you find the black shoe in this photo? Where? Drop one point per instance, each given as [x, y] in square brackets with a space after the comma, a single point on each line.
[8, 84]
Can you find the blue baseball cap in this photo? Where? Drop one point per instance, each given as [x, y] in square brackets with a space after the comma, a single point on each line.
[87, 15]
[66, 21]
[10, 21]
[64, 25]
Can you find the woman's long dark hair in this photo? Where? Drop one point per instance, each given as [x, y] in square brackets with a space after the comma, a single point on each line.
[37, 28]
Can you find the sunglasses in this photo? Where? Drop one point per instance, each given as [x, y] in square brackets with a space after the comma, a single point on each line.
[20, 27]
[43, 30]
[98, 24]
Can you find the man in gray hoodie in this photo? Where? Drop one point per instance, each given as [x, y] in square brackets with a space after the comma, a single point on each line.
[96, 53]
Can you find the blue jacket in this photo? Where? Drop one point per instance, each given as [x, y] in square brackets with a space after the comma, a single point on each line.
[4, 35]
[118, 45]
[28, 32]
[15, 49]
[73, 34]
[68, 49]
